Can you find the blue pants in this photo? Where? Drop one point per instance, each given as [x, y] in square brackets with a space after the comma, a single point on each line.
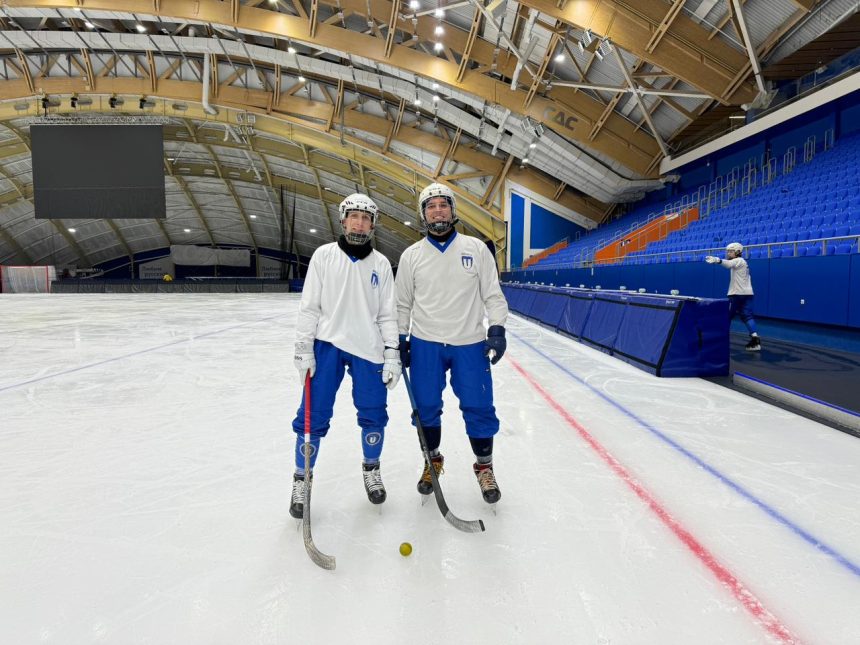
[741, 306]
[470, 378]
[368, 393]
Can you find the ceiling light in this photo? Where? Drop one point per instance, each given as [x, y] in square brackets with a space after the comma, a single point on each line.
[413, 4]
[416, 102]
[291, 50]
[140, 28]
[559, 58]
[439, 30]
[407, 223]
[313, 230]
[252, 216]
[587, 37]
[439, 13]
[605, 46]
[435, 86]
[437, 47]
[532, 146]
[187, 230]
[72, 230]
[525, 159]
[301, 79]
[89, 25]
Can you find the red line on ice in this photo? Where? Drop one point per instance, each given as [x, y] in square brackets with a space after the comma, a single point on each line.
[739, 591]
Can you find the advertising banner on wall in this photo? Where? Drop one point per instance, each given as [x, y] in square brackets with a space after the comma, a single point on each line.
[156, 269]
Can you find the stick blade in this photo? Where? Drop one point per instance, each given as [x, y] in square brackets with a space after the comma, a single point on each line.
[467, 526]
[317, 557]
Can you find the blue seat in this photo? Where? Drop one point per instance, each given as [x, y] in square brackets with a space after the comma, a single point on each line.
[843, 249]
[801, 251]
[814, 249]
[755, 254]
[842, 231]
[831, 249]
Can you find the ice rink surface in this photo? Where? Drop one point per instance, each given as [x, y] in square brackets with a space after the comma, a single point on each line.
[147, 462]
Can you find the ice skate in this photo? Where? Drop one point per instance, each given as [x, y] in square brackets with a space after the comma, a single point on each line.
[487, 482]
[297, 500]
[754, 345]
[425, 484]
[373, 483]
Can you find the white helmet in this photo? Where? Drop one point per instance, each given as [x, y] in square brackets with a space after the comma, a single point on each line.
[363, 203]
[737, 247]
[437, 190]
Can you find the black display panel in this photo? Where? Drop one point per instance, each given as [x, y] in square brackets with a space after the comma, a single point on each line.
[98, 171]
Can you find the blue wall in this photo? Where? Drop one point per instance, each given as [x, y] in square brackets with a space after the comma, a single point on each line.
[545, 228]
[739, 157]
[828, 285]
[849, 120]
[516, 229]
[548, 228]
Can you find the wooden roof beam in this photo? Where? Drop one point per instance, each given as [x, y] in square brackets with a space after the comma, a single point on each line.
[683, 50]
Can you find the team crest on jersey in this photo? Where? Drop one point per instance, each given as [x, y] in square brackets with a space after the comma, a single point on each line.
[374, 279]
[467, 261]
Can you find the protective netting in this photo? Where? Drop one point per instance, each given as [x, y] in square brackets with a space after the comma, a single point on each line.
[26, 279]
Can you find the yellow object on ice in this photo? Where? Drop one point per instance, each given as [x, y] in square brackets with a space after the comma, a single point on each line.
[405, 549]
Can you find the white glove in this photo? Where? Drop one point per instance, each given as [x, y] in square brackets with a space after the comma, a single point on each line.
[711, 259]
[305, 361]
[391, 367]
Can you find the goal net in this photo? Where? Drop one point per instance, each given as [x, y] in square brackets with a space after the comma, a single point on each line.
[26, 279]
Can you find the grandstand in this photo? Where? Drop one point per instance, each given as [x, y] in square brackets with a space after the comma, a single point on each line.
[782, 214]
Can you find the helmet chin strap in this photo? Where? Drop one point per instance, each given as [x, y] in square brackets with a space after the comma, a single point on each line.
[357, 239]
[440, 228]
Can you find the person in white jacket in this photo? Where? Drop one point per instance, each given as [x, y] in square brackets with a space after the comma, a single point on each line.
[740, 290]
[445, 284]
[347, 322]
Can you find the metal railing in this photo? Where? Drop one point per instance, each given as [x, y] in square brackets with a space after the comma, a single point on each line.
[675, 256]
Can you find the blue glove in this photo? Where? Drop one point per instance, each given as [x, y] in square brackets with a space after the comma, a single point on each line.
[495, 345]
[405, 358]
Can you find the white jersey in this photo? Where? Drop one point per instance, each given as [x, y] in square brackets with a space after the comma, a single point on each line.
[444, 289]
[349, 303]
[740, 284]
